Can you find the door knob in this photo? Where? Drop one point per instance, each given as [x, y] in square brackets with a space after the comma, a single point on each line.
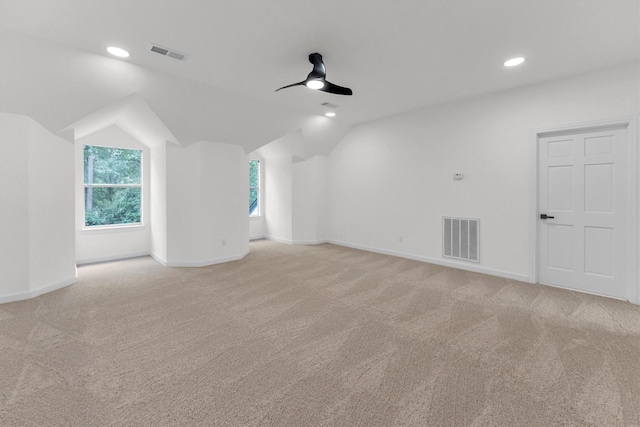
[545, 216]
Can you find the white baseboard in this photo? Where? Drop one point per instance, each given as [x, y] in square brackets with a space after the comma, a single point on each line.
[160, 261]
[37, 292]
[107, 258]
[446, 263]
[308, 242]
[203, 263]
[279, 240]
[295, 242]
[260, 237]
[583, 291]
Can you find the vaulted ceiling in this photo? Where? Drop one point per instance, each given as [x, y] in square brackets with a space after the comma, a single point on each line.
[396, 55]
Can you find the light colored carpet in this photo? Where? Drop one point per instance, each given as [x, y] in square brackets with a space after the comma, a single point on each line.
[316, 335]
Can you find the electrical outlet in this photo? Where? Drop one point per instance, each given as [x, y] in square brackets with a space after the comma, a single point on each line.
[223, 242]
[400, 239]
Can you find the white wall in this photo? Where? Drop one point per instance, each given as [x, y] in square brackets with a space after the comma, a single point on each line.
[322, 204]
[37, 249]
[294, 191]
[102, 244]
[225, 204]
[393, 177]
[183, 202]
[206, 204]
[295, 199]
[158, 200]
[14, 204]
[309, 202]
[278, 193]
[51, 198]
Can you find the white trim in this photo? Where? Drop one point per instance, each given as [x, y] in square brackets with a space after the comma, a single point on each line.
[279, 240]
[582, 291]
[631, 124]
[533, 208]
[204, 263]
[294, 242]
[308, 242]
[259, 237]
[37, 292]
[459, 265]
[113, 185]
[112, 228]
[143, 187]
[633, 142]
[158, 259]
[107, 258]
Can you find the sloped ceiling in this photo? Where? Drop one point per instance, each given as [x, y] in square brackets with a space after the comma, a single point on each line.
[131, 114]
[62, 87]
[397, 55]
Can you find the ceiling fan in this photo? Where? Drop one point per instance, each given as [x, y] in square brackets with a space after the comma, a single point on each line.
[316, 78]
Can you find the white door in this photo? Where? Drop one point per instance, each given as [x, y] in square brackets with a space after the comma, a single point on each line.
[582, 189]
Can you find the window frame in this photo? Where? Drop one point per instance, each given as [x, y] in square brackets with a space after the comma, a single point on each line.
[258, 213]
[139, 224]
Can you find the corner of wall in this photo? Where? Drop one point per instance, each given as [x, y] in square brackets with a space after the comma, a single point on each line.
[36, 187]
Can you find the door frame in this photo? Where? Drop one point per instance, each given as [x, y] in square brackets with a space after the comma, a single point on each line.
[633, 209]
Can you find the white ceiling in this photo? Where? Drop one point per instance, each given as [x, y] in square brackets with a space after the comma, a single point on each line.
[396, 55]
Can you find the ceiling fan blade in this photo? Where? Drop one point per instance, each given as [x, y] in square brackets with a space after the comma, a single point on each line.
[291, 85]
[318, 72]
[338, 90]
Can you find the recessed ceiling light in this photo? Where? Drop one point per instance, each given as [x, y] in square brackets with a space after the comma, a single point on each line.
[330, 114]
[315, 84]
[117, 51]
[514, 61]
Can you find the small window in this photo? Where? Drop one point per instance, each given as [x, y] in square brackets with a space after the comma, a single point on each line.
[254, 188]
[112, 186]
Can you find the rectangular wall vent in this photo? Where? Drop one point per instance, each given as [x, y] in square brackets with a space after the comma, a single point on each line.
[461, 238]
[171, 53]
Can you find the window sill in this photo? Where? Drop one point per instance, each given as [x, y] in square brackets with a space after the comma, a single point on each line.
[255, 216]
[106, 229]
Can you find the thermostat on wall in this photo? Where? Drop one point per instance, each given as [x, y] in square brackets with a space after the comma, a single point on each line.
[458, 176]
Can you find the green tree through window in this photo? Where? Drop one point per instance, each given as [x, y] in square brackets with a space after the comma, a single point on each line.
[112, 186]
[254, 188]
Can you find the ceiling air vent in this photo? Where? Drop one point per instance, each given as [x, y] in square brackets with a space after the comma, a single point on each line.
[329, 105]
[168, 52]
